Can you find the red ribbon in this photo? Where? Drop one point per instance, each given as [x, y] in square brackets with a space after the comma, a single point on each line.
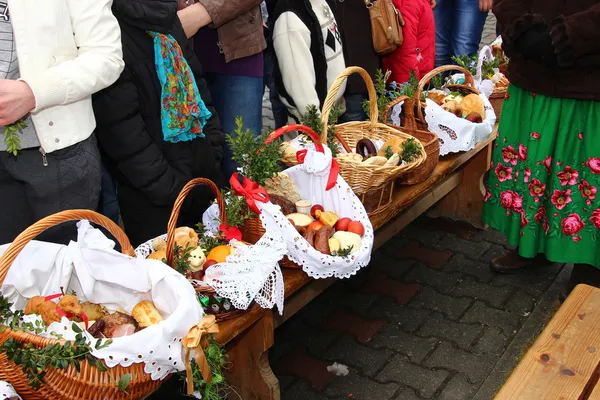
[333, 172]
[53, 296]
[252, 191]
[70, 316]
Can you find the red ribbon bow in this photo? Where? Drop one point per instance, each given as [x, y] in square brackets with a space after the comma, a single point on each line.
[333, 172]
[252, 191]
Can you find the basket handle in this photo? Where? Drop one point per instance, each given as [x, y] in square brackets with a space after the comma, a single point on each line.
[177, 209]
[330, 101]
[48, 222]
[410, 122]
[469, 81]
[276, 134]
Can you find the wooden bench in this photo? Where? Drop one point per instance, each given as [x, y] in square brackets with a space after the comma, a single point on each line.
[454, 190]
[563, 363]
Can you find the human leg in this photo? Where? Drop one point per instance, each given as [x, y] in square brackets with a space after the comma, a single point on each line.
[236, 96]
[109, 204]
[15, 214]
[354, 108]
[444, 26]
[468, 27]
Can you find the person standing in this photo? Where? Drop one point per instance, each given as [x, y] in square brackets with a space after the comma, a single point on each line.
[355, 26]
[543, 187]
[459, 25]
[55, 55]
[229, 43]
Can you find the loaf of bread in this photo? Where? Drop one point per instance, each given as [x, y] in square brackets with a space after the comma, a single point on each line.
[186, 237]
[146, 314]
[472, 103]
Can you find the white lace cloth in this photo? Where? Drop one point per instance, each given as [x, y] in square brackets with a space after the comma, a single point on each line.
[457, 134]
[101, 275]
[251, 273]
[310, 179]
[7, 392]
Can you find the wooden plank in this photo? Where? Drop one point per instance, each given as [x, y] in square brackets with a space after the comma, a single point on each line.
[595, 395]
[230, 329]
[565, 357]
[465, 203]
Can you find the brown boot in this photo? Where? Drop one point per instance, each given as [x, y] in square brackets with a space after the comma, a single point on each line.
[511, 262]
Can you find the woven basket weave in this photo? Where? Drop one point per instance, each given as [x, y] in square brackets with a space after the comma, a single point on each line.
[364, 178]
[58, 384]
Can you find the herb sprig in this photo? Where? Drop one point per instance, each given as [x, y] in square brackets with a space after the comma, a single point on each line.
[12, 139]
[411, 150]
[312, 119]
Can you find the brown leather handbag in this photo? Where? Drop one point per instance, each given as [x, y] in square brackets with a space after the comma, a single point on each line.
[386, 26]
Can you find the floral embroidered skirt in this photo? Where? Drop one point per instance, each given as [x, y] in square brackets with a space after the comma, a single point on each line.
[542, 191]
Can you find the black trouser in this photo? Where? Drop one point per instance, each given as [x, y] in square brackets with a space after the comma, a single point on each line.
[30, 191]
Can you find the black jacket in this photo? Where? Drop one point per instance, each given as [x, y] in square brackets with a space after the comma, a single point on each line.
[128, 113]
[354, 23]
[305, 13]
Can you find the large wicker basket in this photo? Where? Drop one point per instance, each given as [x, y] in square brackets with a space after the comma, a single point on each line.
[172, 226]
[497, 100]
[364, 178]
[428, 140]
[69, 384]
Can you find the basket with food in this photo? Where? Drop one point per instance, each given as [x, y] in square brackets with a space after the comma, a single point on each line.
[459, 114]
[323, 223]
[86, 322]
[227, 273]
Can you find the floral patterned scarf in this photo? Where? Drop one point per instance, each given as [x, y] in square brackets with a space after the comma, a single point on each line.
[183, 113]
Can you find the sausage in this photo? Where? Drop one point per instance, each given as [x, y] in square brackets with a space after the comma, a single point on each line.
[309, 236]
[366, 148]
[322, 239]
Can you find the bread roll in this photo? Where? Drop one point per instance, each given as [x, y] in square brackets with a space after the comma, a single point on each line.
[158, 255]
[394, 142]
[437, 96]
[186, 237]
[453, 107]
[472, 103]
[146, 314]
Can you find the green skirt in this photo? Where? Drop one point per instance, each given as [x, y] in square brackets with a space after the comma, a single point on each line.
[542, 190]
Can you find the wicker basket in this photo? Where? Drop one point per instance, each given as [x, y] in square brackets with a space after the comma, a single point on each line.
[205, 290]
[497, 100]
[428, 140]
[69, 384]
[253, 230]
[364, 178]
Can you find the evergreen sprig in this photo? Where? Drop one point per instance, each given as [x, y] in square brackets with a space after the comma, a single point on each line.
[236, 209]
[470, 62]
[258, 161]
[411, 150]
[12, 140]
[207, 242]
[385, 93]
[312, 119]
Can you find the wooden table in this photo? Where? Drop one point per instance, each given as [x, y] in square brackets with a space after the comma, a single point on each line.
[563, 363]
[454, 190]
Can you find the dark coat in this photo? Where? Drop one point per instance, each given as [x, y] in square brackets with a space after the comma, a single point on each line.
[574, 31]
[151, 172]
[354, 23]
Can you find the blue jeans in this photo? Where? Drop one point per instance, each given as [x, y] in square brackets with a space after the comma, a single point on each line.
[458, 25]
[354, 108]
[279, 109]
[235, 96]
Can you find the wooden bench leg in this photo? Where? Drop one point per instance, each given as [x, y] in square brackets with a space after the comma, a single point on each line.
[465, 203]
[250, 373]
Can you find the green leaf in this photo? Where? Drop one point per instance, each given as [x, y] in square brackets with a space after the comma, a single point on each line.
[76, 328]
[124, 382]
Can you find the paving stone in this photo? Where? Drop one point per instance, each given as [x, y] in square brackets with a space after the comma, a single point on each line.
[460, 263]
[384, 285]
[354, 386]
[493, 295]
[422, 234]
[461, 229]
[494, 251]
[492, 342]
[535, 280]
[358, 302]
[285, 381]
[462, 334]
[382, 262]
[442, 281]
[414, 347]
[450, 306]
[406, 318]
[427, 255]
[407, 394]
[301, 391]
[457, 389]
[425, 381]
[481, 314]
[474, 366]
[490, 235]
[366, 359]
[521, 302]
[316, 312]
[316, 341]
[363, 330]
[473, 250]
[298, 363]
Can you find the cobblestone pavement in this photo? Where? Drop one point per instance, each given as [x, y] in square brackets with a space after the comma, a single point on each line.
[426, 320]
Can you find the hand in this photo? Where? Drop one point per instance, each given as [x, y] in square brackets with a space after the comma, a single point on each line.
[16, 101]
[535, 44]
[433, 4]
[485, 5]
[193, 18]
